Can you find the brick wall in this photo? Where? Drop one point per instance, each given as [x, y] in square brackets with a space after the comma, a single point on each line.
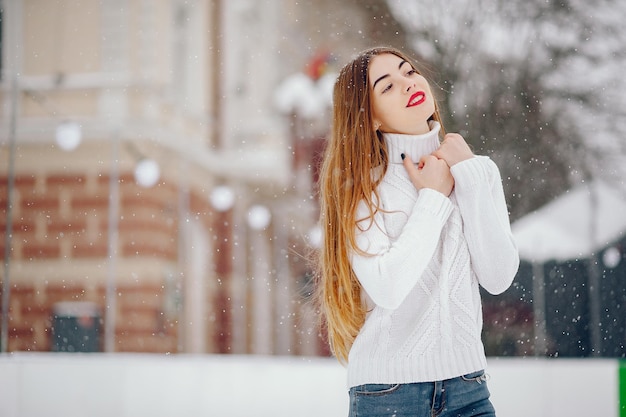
[60, 229]
[59, 253]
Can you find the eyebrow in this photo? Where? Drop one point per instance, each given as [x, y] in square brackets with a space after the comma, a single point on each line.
[387, 75]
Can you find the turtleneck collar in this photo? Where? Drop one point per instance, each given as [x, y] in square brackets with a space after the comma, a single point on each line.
[414, 146]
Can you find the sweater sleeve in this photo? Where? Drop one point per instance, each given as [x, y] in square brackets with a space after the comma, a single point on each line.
[480, 196]
[389, 270]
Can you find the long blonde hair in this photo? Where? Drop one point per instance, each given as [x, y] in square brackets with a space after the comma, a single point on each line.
[346, 179]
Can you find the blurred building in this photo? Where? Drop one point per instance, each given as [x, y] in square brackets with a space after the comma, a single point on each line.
[152, 195]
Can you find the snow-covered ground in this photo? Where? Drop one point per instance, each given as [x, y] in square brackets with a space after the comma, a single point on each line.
[138, 385]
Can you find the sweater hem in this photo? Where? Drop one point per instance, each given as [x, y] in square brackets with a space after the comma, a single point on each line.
[415, 369]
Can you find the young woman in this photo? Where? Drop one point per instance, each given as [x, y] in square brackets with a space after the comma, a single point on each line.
[413, 222]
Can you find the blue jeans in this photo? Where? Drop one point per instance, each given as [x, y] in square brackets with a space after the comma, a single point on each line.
[465, 396]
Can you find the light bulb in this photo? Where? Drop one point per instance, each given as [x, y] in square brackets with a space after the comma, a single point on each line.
[147, 173]
[222, 198]
[259, 217]
[314, 236]
[611, 257]
[68, 135]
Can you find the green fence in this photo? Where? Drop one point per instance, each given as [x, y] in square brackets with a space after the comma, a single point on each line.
[622, 388]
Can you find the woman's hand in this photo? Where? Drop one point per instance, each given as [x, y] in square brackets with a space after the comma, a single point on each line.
[453, 149]
[431, 172]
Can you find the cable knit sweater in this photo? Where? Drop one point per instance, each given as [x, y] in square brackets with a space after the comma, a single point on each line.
[426, 256]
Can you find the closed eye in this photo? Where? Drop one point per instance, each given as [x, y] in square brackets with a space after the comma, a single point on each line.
[409, 73]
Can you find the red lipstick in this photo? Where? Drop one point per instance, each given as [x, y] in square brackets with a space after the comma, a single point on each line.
[416, 99]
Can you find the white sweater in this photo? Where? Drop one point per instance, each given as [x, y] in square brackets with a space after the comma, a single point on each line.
[426, 257]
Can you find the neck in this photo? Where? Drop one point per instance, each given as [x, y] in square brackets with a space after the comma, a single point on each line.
[412, 145]
[422, 129]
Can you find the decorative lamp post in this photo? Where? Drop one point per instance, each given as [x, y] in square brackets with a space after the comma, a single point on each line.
[306, 98]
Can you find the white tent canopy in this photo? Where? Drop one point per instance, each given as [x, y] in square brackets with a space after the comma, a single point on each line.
[574, 226]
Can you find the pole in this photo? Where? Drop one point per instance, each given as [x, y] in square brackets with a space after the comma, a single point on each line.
[594, 273]
[113, 226]
[239, 281]
[8, 236]
[539, 309]
[283, 316]
[183, 258]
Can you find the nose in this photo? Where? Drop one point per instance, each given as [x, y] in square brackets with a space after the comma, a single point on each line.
[410, 84]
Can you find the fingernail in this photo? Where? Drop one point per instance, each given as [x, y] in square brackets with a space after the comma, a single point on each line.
[402, 156]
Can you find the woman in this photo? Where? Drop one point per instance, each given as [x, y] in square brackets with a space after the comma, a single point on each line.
[412, 226]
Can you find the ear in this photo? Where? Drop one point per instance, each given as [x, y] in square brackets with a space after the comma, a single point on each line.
[377, 124]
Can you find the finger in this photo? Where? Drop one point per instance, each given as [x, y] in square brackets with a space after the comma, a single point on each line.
[421, 163]
[443, 163]
[427, 159]
[441, 156]
[407, 162]
[453, 137]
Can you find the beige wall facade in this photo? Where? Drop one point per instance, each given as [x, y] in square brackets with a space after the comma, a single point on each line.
[190, 85]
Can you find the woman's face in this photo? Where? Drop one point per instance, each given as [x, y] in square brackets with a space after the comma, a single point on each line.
[401, 98]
